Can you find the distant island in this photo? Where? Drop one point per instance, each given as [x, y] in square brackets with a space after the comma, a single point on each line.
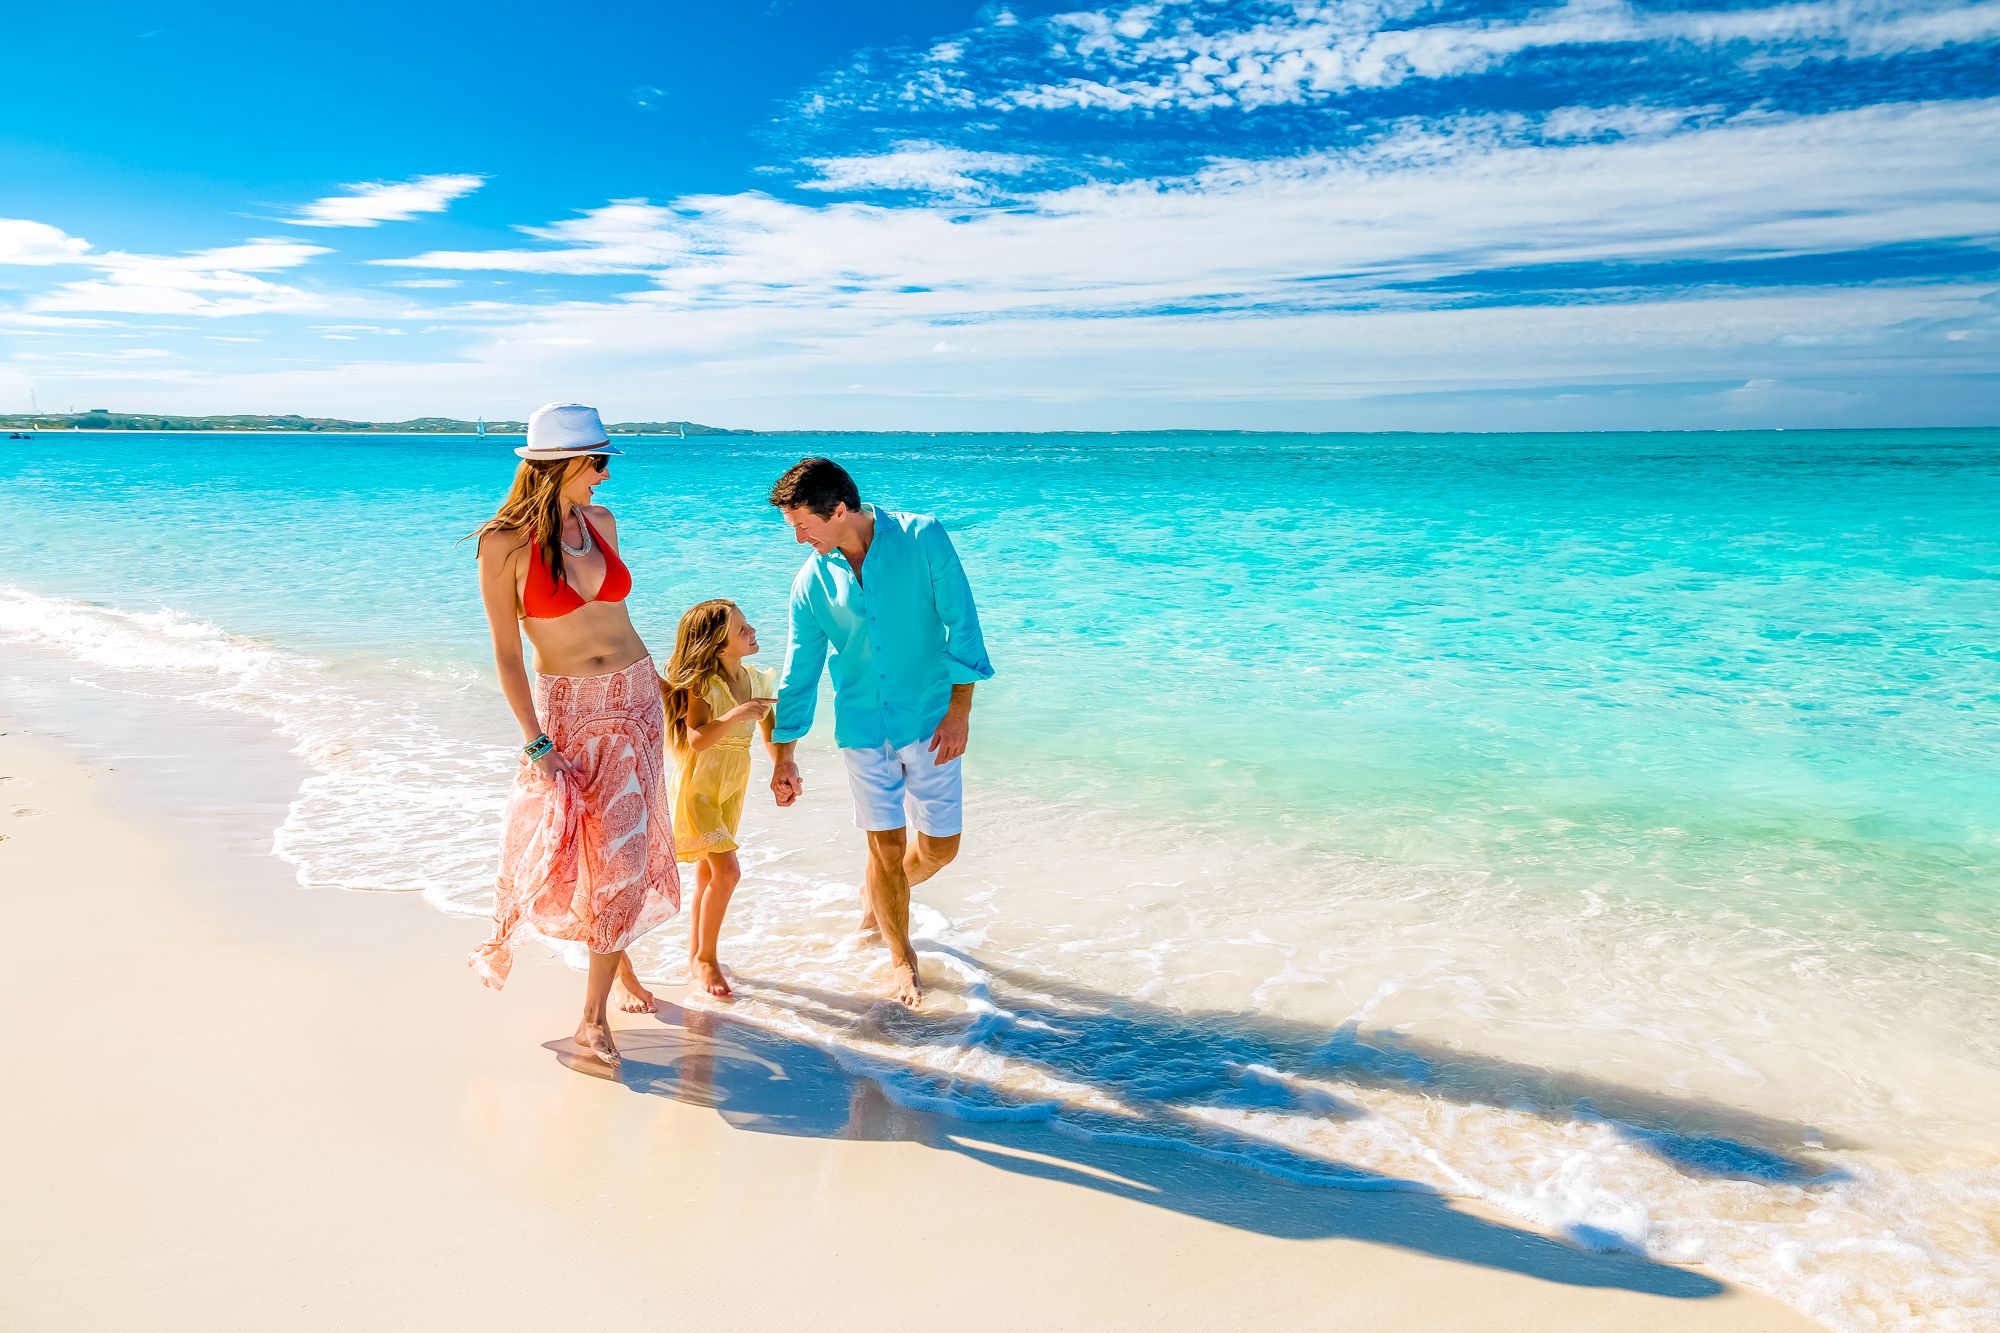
[98, 418]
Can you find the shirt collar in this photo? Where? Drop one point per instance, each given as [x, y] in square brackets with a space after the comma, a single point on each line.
[873, 541]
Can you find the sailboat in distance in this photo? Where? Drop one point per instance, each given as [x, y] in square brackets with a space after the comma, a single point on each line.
[479, 428]
[682, 427]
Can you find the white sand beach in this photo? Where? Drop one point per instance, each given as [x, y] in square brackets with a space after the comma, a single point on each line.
[237, 1104]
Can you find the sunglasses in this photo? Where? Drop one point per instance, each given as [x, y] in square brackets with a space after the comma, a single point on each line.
[602, 462]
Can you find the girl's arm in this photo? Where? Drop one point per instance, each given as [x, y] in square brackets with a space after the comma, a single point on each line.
[704, 732]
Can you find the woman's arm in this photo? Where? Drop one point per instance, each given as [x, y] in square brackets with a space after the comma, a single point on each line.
[497, 556]
[497, 552]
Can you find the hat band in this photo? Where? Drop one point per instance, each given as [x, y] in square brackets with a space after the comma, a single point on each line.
[549, 453]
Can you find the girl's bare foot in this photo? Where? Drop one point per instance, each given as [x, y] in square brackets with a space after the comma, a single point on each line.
[595, 1038]
[709, 977]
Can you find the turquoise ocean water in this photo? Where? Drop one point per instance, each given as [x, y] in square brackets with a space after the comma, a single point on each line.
[1614, 820]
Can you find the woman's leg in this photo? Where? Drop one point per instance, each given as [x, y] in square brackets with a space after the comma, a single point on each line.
[633, 998]
[723, 875]
[594, 1032]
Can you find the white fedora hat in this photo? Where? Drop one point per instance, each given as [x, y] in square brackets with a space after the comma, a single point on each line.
[565, 430]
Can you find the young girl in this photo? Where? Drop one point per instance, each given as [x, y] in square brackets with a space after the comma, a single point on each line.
[714, 703]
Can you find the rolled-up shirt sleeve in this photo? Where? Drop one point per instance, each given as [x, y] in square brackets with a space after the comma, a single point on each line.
[805, 657]
[951, 593]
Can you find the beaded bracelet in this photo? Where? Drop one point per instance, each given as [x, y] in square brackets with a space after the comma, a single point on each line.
[537, 747]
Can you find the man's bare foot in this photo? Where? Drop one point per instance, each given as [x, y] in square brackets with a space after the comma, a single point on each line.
[909, 992]
[595, 1038]
[709, 977]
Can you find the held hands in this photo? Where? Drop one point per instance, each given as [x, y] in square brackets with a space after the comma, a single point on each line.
[786, 784]
[948, 741]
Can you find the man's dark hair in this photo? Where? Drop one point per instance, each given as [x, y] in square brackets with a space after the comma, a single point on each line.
[818, 484]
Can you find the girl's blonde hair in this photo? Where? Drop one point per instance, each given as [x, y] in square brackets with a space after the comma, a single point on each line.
[698, 646]
[534, 506]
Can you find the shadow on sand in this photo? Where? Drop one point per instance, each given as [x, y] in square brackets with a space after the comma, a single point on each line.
[1158, 1060]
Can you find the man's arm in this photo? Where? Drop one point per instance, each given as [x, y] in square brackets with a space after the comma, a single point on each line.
[964, 646]
[951, 595]
[798, 696]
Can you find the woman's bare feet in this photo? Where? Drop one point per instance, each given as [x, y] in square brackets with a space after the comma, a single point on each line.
[708, 975]
[633, 998]
[595, 1038]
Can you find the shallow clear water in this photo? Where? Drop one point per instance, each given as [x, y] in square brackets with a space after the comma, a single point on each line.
[1605, 825]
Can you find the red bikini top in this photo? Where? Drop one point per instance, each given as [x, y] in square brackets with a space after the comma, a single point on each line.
[546, 597]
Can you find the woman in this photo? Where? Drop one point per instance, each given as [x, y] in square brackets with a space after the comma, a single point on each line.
[587, 850]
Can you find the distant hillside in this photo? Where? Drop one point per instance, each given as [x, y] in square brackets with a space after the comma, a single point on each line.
[102, 420]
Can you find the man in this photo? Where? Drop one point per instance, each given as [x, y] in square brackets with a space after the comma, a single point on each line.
[883, 592]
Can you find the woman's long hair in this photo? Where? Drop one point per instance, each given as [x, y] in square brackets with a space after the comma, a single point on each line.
[698, 646]
[534, 506]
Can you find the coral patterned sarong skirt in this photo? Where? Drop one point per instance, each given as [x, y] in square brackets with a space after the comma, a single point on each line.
[590, 861]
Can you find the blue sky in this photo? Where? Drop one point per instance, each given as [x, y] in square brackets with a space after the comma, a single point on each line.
[1377, 214]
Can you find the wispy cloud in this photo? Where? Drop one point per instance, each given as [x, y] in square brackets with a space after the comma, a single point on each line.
[625, 236]
[210, 283]
[1207, 55]
[1337, 227]
[371, 203]
[918, 168]
[1317, 277]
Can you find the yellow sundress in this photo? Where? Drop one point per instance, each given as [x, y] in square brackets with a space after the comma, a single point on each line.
[709, 784]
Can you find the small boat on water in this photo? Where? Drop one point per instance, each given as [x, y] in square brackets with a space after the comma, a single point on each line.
[19, 435]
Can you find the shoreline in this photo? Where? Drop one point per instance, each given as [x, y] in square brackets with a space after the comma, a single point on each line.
[1171, 431]
[307, 1112]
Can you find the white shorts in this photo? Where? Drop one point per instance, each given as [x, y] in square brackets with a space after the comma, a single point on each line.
[886, 780]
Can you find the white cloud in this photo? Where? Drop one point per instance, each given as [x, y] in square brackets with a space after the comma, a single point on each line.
[425, 282]
[1769, 402]
[26, 242]
[625, 236]
[213, 283]
[1297, 280]
[1237, 287]
[924, 168]
[371, 203]
[1325, 228]
[1135, 58]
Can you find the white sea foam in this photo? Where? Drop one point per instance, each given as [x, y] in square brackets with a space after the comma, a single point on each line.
[1795, 1114]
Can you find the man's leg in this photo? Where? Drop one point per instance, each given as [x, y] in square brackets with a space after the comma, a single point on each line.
[888, 892]
[929, 856]
[936, 808]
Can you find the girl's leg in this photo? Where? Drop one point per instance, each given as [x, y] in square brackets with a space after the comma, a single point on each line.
[594, 1032]
[695, 910]
[723, 875]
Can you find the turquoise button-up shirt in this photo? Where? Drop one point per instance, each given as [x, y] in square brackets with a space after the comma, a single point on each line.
[900, 637]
